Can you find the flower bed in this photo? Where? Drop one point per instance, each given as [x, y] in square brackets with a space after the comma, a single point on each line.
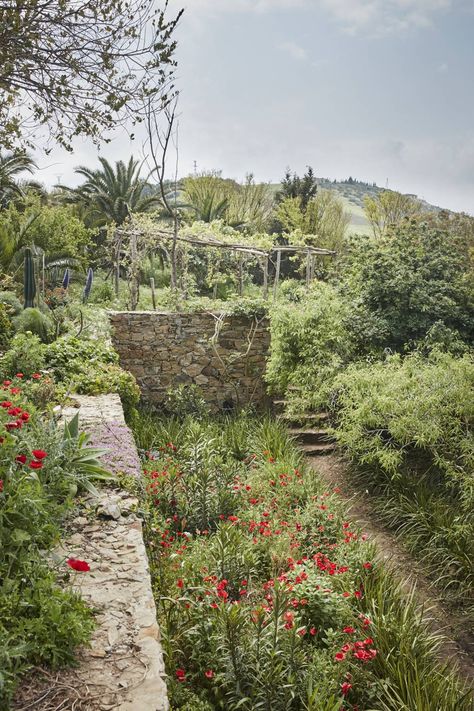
[267, 596]
[41, 469]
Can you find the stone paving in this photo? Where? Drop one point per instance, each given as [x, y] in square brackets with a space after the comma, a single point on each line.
[123, 668]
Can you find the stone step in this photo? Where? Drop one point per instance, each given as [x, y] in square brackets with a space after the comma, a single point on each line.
[305, 419]
[318, 450]
[310, 435]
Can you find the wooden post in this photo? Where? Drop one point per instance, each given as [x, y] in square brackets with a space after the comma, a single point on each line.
[308, 268]
[133, 272]
[277, 275]
[265, 277]
[42, 274]
[153, 297]
[241, 274]
[313, 260]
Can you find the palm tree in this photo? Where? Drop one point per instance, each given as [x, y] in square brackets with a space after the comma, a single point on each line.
[11, 165]
[112, 194]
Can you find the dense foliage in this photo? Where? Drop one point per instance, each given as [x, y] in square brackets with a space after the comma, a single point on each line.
[409, 424]
[267, 596]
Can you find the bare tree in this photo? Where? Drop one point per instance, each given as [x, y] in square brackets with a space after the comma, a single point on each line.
[158, 142]
[81, 67]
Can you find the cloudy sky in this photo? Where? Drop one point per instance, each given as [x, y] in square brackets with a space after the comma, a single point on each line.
[378, 89]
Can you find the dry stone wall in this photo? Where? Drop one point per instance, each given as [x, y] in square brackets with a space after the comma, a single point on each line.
[165, 350]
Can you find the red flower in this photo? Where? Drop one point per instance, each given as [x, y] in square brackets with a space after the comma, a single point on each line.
[345, 688]
[180, 674]
[209, 674]
[35, 465]
[79, 565]
[19, 375]
[339, 657]
[367, 566]
[36, 376]
[349, 630]
[7, 382]
[21, 459]
[180, 583]
[39, 454]
[6, 404]
[1, 485]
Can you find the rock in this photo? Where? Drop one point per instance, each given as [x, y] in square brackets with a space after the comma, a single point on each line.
[109, 510]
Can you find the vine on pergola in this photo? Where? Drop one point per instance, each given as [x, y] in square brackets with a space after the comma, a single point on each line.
[143, 234]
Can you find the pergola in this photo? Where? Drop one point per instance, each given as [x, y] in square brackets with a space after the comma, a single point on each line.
[263, 254]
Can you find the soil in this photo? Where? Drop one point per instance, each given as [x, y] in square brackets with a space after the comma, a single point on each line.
[459, 646]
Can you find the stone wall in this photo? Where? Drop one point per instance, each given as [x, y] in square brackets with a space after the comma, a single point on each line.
[165, 350]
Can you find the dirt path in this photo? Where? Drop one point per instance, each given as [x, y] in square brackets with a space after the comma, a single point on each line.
[460, 645]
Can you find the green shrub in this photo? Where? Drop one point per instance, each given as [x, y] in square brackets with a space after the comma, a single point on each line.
[102, 293]
[9, 299]
[185, 400]
[109, 378]
[26, 355]
[310, 344]
[34, 321]
[6, 327]
[68, 356]
[408, 425]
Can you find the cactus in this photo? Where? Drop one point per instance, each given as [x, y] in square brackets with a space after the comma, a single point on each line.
[29, 279]
[66, 279]
[88, 286]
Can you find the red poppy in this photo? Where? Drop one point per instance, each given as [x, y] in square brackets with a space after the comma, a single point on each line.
[339, 657]
[367, 566]
[209, 674]
[1, 485]
[39, 454]
[7, 382]
[21, 459]
[36, 376]
[19, 375]
[345, 688]
[349, 630]
[35, 465]
[180, 583]
[79, 565]
[180, 674]
[6, 404]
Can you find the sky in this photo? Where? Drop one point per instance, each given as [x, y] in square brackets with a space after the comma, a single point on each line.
[381, 90]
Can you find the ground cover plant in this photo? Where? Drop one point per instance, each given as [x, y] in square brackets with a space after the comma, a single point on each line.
[268, 597]
[42, 619]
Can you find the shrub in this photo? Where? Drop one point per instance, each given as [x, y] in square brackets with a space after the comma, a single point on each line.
[36, 322]
[9, 299]
[408, 425]
[310, 344]
[6, 328]
[408, 280]
[26, 355]
[185, 400]
[68, 356]
[109, 378]
[102, 293]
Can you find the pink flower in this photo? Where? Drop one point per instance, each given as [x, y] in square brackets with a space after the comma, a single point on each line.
[209, 674]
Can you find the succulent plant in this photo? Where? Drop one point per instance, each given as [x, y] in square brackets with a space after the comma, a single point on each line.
[29, 279]
[88, 286]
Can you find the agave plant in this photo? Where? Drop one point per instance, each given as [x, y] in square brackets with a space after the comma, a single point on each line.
[82, 459]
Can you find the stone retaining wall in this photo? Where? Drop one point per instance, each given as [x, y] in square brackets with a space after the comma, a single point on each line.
[164, 350]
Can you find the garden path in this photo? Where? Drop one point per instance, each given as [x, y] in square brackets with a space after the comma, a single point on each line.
[460, 641]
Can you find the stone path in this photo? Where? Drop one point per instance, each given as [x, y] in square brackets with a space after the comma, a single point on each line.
[123, 669]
